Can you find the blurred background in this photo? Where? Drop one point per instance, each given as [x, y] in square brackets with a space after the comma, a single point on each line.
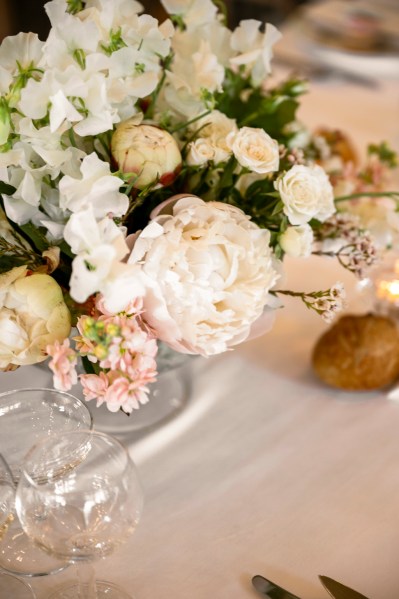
[321, 38]
[29, 15]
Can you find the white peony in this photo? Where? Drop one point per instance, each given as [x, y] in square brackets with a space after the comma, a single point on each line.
[297, 241]
[209, 270]
[32, 315]
[254, 149]
[306, 193]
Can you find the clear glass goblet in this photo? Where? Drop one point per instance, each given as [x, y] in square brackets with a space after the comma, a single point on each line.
[78, 498]
[12, 587]
[26, 416]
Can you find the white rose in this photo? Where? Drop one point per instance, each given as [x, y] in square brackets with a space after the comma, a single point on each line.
[254, 149]
[211, 145]
[209, 270]
[297, 241]
[203, 150]
[32, 315]
[200, 152]
[306, 193]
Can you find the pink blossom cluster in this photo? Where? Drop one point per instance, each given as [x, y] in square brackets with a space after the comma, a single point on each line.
[122, 352]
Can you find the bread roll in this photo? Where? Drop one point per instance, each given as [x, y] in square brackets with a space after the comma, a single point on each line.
[358, 353]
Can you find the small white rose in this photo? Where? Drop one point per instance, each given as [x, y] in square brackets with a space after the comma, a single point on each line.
[200, 152]
[297, 241]
[306, 193]
[254, 149]
[149, 152]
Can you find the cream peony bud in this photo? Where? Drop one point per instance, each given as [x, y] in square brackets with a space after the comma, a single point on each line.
[32, 315]
[297, 241]
[149, 152]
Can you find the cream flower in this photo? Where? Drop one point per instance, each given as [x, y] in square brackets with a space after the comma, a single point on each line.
[254, 149]
[149, 152]
[32, 315]
[211, 144]
[254, 48]
[306, 193]
[379, 217]
[297, 241]
[194, 12]
[96, 188]
[209, 270]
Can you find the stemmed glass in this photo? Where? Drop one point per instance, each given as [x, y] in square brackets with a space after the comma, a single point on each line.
[26, 416]
[13, 587]
[79, 497]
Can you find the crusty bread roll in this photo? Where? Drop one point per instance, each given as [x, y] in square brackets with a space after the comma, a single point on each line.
[358, 353]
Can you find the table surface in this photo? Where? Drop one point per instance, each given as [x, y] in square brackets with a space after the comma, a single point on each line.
[267, 471]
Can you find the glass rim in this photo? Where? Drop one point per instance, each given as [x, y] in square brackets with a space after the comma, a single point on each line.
[51, 390]
[90, 433]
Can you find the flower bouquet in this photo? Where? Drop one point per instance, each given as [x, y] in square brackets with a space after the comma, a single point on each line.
[152, 181]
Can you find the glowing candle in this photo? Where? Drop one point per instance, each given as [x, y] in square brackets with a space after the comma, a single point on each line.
[388, 291]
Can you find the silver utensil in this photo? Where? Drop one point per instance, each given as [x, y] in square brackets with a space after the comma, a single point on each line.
[270, 589]
[337, 590]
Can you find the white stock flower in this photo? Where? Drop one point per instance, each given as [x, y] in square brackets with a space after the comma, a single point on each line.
[111, 16]
[194, 12]
[24, 49]
[96, 188]
[189, 77]
[306, 193]
[254, 48]
[32, 315]
[254, 149]
[209, 270]
[297, 241]
[98, 266]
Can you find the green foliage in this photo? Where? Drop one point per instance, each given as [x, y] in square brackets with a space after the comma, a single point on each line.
[384, 153]
[254, 107]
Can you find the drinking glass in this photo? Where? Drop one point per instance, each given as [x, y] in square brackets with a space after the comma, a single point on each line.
[78, 498]
[12, 587]
[26, 416]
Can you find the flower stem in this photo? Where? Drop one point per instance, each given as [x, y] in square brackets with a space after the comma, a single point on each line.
[186, 124]
[86, 581]
[371, 194]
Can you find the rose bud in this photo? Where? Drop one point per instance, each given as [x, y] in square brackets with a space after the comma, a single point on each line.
[147, 151]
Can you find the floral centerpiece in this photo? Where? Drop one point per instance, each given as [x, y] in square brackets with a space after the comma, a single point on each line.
[152, 181]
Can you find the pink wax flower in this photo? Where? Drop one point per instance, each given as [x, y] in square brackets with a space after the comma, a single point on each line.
[63, 365]
[94, 386]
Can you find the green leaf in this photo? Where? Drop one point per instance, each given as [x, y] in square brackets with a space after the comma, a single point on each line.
[6, 189]
[36, 235]
[89, 367]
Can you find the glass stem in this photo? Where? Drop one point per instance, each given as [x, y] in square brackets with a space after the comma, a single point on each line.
[86, 581]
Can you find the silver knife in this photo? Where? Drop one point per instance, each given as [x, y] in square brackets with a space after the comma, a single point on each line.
[338, 590]
[270, 589]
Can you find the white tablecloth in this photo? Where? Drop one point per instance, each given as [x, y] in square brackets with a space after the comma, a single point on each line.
[267, 471]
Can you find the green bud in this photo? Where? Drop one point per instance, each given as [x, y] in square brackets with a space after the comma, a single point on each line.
[5, 121]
